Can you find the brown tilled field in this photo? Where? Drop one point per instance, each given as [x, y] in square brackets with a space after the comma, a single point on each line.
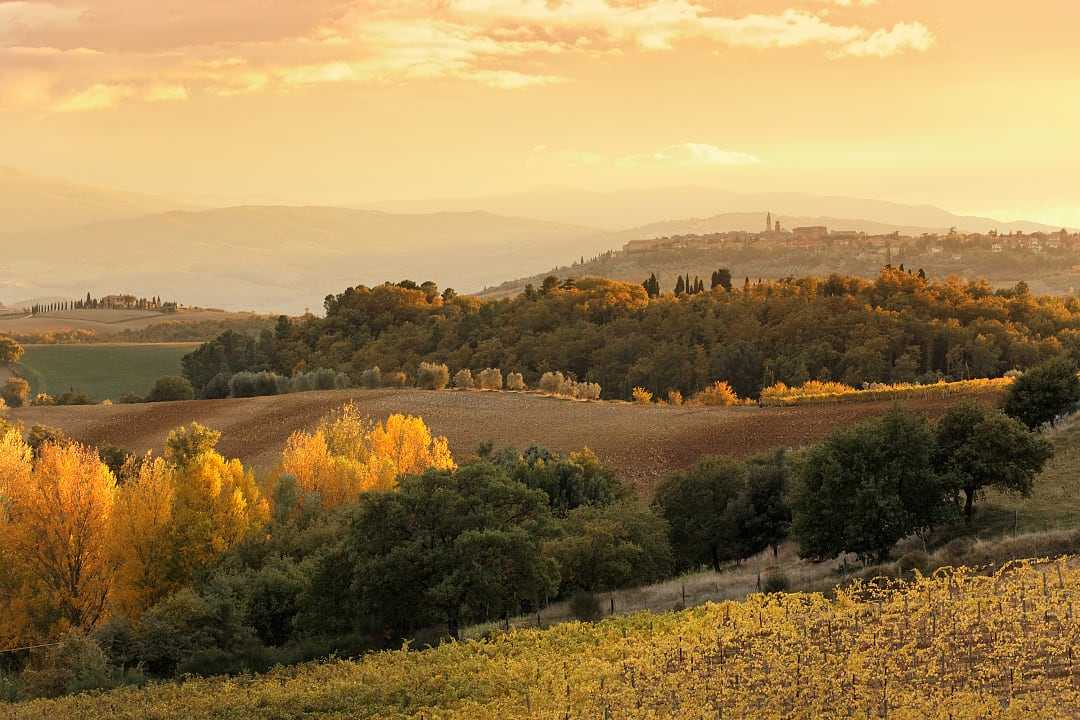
[643, 442]
[104, 322]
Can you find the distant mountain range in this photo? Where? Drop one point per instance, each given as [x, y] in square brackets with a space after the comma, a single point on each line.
[29, 203]
[64, 239]
[623, 209]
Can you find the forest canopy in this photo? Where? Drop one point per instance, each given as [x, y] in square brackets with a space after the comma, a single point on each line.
[899, 327]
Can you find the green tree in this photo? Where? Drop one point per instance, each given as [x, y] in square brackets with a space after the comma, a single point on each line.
[169, 388]
[868, 486]
[447, 545]
[697, 505]
[187, 443]
[1044, 392]
[604, 548]
[761, 511]
[978, 447]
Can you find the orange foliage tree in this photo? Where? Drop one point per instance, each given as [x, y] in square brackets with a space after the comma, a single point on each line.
[57, 571]
[348, 454]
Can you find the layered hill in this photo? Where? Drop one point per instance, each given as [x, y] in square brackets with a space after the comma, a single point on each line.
[283, 259]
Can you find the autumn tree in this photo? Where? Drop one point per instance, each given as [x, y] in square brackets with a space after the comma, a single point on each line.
[56, 517]
[10, 351]
[349, 454]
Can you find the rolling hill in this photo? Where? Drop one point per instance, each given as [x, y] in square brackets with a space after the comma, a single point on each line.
[283, 259]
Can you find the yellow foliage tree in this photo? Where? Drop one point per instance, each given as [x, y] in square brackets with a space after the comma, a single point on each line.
[349, 454]
[57, 510]
[141, 537]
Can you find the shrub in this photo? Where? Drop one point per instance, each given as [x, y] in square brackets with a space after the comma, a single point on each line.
[397, 379]
[77, 664]
[173, 387]
[552, 382]
[218, 387]
[74, 397]
[463, 379]
[43, 399]
[776, 581]
[912, 561]
[40, 435]
[642, 396]
[585, 606]
[254, 384]
[674, 397]
[321, 379]
[16, 392]
[371, 378]
[133, 399]
[515, 381]
[584, 390]
[719, 393]
[490, 379]
[433, 376]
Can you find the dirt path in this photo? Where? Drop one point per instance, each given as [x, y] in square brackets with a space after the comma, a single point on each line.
[644, 443]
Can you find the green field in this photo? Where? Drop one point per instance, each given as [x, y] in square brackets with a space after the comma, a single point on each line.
[101, 371]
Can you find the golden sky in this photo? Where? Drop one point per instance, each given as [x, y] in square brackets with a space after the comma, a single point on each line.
[973, 105]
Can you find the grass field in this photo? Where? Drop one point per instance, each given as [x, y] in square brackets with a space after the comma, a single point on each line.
[101, 371]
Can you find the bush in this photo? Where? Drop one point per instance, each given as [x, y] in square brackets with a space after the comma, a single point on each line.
[255, 384]
[912, 561]
[552, 382]
[719, 393]
[463, 379]
[371, 378]
[321, 379]
[77, 664]
[515, 381]
[171, 388]
[490, 379]
[433, 376]
[585, 606]
[133, 399]
[776, 581]
[642, 396]
[16, 392]
[396, 379]
[73, 397]
[674, 397]
[584, 390]
[43, 399]
[218, 387]
[43, 434]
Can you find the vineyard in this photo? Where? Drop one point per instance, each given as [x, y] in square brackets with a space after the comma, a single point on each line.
[816, 392]
[958, 645]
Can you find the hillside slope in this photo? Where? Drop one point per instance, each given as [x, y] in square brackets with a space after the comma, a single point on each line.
[642, 443]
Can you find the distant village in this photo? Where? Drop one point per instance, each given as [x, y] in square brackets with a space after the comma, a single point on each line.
[886, 248]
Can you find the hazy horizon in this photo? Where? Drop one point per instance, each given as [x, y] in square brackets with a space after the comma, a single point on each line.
[962, 105]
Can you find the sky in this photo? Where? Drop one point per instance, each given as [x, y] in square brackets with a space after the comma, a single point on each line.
[971, 105]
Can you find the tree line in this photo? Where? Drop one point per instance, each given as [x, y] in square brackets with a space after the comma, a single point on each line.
[899, 327]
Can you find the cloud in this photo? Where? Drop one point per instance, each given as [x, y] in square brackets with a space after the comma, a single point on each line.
[95, 97]
[166, 93]
[691, 154]
[885, 43]
[92, 50]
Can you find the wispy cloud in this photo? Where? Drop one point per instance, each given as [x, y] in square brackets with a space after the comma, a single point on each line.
[691, 154]
[138, 48]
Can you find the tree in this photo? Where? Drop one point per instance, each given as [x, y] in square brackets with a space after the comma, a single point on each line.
[455, 545]
[53, 527]
[868, 486]
[680, 286]
[349, 454]
[761, 512]
[696, 505]
[10, 351]
[185, 444]
[605, 548]
[569, 481]
[1043, 393]
[16, 392]
[978, 447]
[721, 278]
[171, 388]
